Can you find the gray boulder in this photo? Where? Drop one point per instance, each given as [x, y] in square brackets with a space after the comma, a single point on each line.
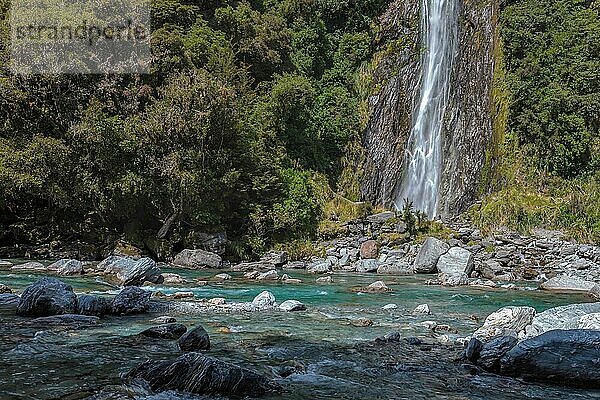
[565, 283]
[564, 317]
[131, 300]
[130, 272]
[277, 258]
[264, 299]
[456, 261]
[318, 268]
[429, 254]
[197, 259]
[194, 340]
[93, 305]
[399, 267]
[47, 297]
[165, 331]
[507, 321]
[558, 356]
[367, 265]
[199, 374]
[292, 305]
[67, 267]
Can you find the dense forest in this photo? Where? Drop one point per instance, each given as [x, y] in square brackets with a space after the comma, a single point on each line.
[251, 122]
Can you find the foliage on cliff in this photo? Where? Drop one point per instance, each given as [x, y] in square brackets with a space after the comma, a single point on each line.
[549, 172]
[246, 115]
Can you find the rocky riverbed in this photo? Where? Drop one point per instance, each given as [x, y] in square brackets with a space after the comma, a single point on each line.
[453, 316]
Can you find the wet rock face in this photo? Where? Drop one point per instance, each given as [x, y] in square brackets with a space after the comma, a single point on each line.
[196, 373]
[47, 297]
[467, 127]
[559, 356]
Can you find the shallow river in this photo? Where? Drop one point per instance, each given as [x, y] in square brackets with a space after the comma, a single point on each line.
[333, 358]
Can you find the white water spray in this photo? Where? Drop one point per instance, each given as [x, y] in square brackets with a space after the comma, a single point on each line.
[421, 183]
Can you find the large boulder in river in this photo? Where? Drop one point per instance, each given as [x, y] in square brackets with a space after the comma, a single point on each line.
[456, 261]
[507, 321]
[197, 259]
[93, 305]
[563, 283]
[47, 297]
[194, 340]
[131, 300]
[558, 356]
[67, 267]
[130, 272]
[196, 373]
[564, 317]
[429, 254]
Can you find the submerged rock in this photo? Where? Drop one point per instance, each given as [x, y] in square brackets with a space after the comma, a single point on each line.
[429, 254]
[93, 305]
[558, 356]
[67, 267]
[165, 331]
[4, 289]
[67, 319]
[196, 373]
[377, 287]
[325, 280]
[292, 305]
[131, 300]
[47, 297]
[194, 340]
[508, 321]
[197, 259]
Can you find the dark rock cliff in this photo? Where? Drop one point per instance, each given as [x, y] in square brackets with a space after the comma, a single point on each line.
[467, 129]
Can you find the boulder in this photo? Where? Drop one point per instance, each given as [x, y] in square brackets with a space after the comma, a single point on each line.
[456, 261]
[292, 305]
[173, 279]
[390, 306]
[67, 267]
[595, 291]
[422, 309]
[140, 271]
[32, 265]
[493, 351]
[558, 356]
[197, 259]
[47, 297]
[264, 299]
[429, 254]
[165, 319]
[453, 279]
[507, 321]
[9, 301]
[224, 277]
[194, 340]
[564, 317]
[199, 374]
[268, 276]
[4, 289]
[165, 331]
[400, 267]
[277, 258]
[253, 266]
[369, 250]
[294, 265]
[318, 268]
[473, 349]
[131, 300]
[366, 266]
[93, 305]
[563, 283]
[324, 280]
[589, 321]
[377, 287]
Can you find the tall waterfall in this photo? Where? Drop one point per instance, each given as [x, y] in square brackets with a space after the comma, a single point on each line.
[421, 182]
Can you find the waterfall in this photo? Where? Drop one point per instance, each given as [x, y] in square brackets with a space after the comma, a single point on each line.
[423, 164]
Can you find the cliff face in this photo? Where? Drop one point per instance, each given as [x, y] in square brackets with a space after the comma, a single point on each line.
[467, 128]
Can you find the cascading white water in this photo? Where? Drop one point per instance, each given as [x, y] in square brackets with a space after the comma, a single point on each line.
[421, 183]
